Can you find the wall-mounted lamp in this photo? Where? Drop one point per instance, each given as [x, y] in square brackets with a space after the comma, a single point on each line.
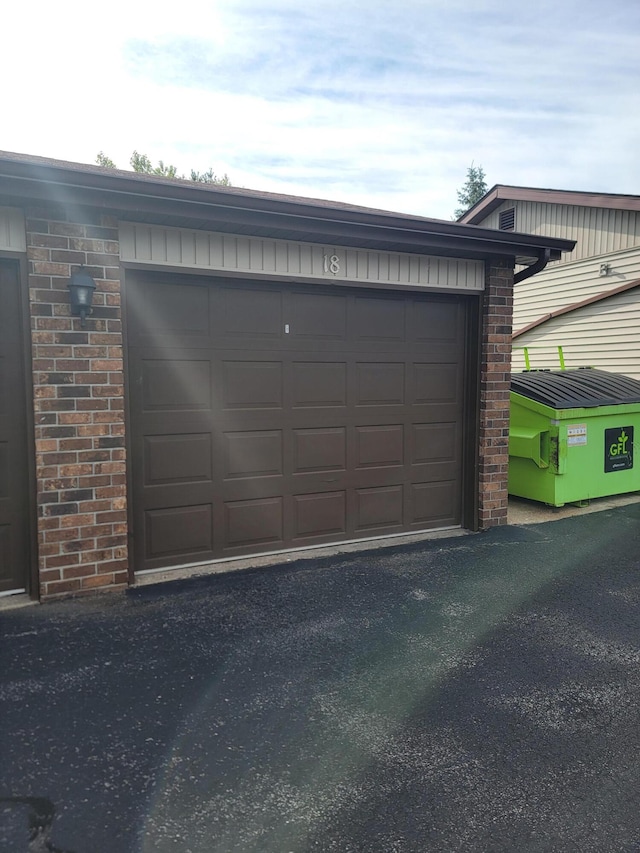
[81, 287]
[605, 269]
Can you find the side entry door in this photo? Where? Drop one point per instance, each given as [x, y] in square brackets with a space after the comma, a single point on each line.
[14, 472]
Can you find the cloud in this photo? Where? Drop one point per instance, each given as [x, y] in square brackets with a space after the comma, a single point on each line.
[375, 103]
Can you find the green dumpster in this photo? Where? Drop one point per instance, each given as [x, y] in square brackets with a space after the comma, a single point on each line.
[571, 435]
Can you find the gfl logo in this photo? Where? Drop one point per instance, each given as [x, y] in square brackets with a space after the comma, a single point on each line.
[619, 448]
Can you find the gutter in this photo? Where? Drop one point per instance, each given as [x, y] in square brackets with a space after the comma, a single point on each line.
[135, 192]
[537, 267]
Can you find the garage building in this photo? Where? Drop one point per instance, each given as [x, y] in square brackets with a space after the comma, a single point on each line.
[260, 373]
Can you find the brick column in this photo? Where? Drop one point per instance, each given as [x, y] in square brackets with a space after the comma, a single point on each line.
[497, 315]
[78, 405]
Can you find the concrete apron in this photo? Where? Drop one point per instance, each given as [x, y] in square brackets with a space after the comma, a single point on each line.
[521, 511]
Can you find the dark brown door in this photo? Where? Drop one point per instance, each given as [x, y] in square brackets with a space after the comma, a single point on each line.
[14, 504]
[266, 416]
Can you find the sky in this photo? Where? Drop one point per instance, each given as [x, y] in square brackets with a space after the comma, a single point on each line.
[384, 103]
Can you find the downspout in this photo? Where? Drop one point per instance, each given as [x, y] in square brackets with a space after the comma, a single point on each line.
[538, 266]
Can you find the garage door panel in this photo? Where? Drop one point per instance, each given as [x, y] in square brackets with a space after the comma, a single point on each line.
[244, 421]
[378, 415]
[172, 423]
[252, 385]
[379, 508]
[6, 556]
[319, 450]
[176, 384]
[435, 442]
[319, 384]
[378, 445]
[162, 312]
[251, 523]
[382, 475]
[4, 396]
[4, 469]
[376, 319]
[436, 413]
[176, 495]
[436, 320]
[320, 515]
[380, 384]
[181, 533]
[434, 472]
[318, 317]
[253, 454]
[177, 458]
[435, 354]
[250, 488]
[315, 434]
[252, 313]
[436, 383]
[433, 503]
[320, 482]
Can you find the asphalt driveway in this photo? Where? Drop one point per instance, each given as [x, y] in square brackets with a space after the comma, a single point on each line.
[480, 693]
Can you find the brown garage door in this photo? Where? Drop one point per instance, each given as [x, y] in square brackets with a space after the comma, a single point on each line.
[270, 416]
[14, 505]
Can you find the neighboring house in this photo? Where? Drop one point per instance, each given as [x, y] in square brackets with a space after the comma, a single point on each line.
[260, 373]
[588, 302]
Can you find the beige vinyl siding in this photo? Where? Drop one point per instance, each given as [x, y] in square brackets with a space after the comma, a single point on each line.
[562, 285]
[597, 230]
[605, 335]
[208, 250]
[13, 236]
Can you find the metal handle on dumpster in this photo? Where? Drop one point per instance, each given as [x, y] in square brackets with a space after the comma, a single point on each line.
[530, 444]
[527, 360]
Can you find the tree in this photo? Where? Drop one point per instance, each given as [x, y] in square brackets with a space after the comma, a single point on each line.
[103, 160]
[142, 164]
[209, 177]
[472, 191]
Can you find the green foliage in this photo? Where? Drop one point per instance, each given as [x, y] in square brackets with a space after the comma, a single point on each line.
[142, 164]
[103, 160]
[472, 191]
[209, 177]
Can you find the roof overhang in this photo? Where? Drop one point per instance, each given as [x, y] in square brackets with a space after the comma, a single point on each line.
[500, 193]
[147, 198]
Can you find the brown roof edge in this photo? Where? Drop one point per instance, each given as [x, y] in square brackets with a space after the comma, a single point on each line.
[600, 297]
[25, 175]
[128, 175]
[491, 199]
[503, 192]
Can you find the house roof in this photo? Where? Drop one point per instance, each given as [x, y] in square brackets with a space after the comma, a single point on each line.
[217, 189]
[166, 201]
[568, 309]
[502, 192]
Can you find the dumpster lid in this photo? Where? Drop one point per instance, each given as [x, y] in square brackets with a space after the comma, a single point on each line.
[585, 388]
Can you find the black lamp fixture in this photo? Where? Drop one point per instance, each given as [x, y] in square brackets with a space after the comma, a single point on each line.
[81, 287]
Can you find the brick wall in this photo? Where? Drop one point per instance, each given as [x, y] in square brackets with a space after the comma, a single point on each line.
[497, 310]
[78, 405]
